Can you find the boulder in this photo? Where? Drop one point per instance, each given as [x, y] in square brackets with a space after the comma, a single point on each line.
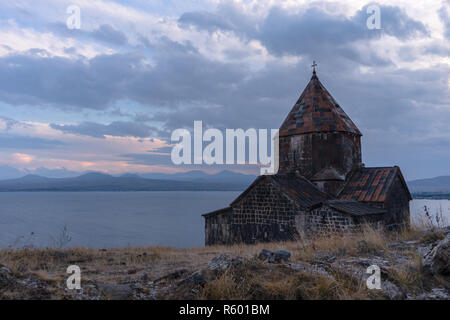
[274, 257]
[435, 260]
[197, 277]
[435, 294]
[6, 276]
[171, 276]
[281, 256]
[392, 291]
[265, 255]
[223, 262]
[115, 291]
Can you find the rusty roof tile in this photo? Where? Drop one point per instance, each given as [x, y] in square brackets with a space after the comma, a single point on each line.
[317, 111]
[371, 184]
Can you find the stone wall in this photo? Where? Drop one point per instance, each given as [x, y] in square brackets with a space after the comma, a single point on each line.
[217, 227]
[264, 214]
[397, 205]
[326, 219]
[310, 153]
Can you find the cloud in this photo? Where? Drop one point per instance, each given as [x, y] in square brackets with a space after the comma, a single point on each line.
[24, 142]
[6, 123]
[227, 17]
[163, 150]
[104, 33]
[236, 66]
[307, 32]
[444, 16]
[180, 75]
[148, 159]
[23, 158]
[28, 78]
[116, 128]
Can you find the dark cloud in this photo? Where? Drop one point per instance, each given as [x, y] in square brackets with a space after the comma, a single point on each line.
[8, 121]
[116, 128]
[180, 75]
[104, 33]
[62, 82]
[26, 142]
[227, 17]
[443, 14]
[311, 31]
[393, 107]
[166, 150]
[108, 34]
[206, 21]
[148, 159]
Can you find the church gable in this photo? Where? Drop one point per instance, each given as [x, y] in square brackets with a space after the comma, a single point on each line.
[263, 212]
[301, 192]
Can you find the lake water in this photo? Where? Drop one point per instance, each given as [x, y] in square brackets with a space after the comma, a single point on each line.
[118, 219]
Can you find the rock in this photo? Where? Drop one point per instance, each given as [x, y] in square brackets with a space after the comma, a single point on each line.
[274, 257]
[115, 291]
[6, 276]
[326, 257]
[265, 255]
[312, 269]
[173, 275]
[392, 291]
[281, 256]
[403, 245]
[223, 262]
[436, 261]
[435, 294]
[197, 277]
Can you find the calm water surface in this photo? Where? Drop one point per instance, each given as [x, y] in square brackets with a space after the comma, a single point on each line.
[118, 219]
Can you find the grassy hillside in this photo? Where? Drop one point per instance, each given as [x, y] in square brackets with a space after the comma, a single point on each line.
[328, 267]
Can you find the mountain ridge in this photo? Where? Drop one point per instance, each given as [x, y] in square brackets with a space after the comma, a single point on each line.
[97, 181]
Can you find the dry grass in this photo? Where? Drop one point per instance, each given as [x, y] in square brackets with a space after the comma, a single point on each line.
[252, 280]
[409, 275]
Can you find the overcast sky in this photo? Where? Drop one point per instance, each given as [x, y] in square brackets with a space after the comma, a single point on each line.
[107, 96]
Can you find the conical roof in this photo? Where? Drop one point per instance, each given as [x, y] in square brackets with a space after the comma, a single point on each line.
[317, 111]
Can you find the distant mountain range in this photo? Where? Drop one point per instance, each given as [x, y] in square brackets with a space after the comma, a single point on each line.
[94, 181]
[196, 180]
[438, 187]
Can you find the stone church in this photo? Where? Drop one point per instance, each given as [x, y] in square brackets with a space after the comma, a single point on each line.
[321, 185]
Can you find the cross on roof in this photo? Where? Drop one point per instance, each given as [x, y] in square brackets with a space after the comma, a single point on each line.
[314, 65]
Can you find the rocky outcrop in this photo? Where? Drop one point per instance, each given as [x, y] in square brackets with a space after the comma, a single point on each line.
[274, 257]
[436, 259]
[6, 276]
[413, 269]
